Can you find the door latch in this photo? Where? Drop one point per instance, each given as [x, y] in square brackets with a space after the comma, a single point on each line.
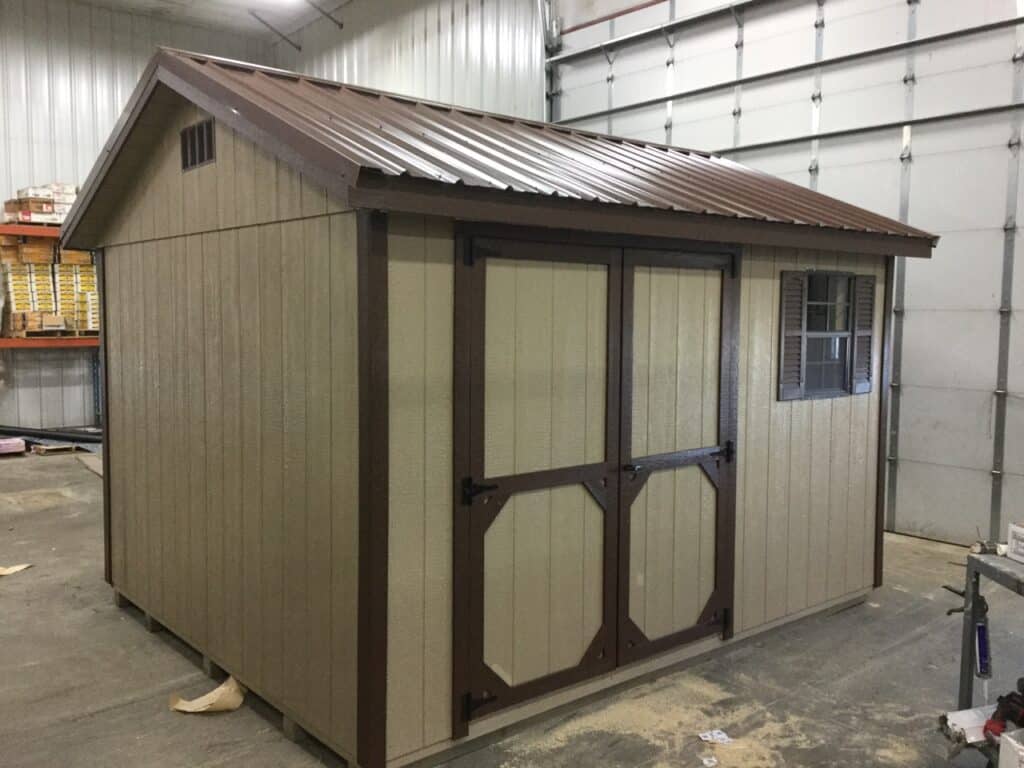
[727, 451]
[471, 490]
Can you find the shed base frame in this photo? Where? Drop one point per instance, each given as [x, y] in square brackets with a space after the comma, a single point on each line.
[515, 719]
[292, 729]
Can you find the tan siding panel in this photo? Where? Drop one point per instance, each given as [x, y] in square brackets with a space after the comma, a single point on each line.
[233, 445]
[805, 497]
[214, 405]
[420, 317]
[150, 197]
[344, 421]
[317, 336]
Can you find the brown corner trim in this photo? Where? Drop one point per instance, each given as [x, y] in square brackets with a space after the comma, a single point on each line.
[883, 424]
[373, 488]
[101, 271]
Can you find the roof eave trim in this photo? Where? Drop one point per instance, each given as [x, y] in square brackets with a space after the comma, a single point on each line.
[422, 196]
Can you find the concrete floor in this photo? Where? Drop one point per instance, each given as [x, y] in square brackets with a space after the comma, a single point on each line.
[83, 684]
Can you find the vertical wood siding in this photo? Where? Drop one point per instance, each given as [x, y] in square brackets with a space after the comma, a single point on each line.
[234, 426]
[420, 336]
[806, 468]
[234, 504]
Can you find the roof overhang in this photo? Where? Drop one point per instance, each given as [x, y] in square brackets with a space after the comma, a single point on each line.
[269, 126]
[409, 195]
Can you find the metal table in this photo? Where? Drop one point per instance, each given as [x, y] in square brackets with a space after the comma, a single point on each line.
[1001, 570]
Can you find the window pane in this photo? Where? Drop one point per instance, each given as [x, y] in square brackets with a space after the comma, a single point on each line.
[826, 364]
[817, 317]
[817, 287]
[839, 317]
[839, 289]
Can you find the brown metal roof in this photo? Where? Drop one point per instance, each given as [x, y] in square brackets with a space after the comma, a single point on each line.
[345, 130]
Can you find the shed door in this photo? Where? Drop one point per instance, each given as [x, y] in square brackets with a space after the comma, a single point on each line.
[595, 401]
[542, 325]
[678, 440]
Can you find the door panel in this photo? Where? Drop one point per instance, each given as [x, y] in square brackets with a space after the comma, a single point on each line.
[676, 348]
[546, 363]
[672, 550]
[543, 583]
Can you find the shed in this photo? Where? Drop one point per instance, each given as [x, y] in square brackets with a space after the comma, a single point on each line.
[422, 421]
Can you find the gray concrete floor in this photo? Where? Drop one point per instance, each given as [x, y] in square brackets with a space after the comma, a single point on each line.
[83, 684]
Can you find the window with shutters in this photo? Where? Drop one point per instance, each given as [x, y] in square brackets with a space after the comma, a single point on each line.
[827, 331]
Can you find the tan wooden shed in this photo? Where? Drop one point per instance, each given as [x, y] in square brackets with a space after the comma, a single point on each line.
[422, 421]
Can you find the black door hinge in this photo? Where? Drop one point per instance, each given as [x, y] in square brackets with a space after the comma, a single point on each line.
[471, 490]
[471, 703]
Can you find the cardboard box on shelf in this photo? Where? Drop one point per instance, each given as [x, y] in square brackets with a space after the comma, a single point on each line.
[25, 217]
[36, 250]
[78, 258]
[1015, 542]
[9, 254]
[29, 205]
[40, 192]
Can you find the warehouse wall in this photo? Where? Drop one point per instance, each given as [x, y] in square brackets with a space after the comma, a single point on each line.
[486, 54]
[847, 129]
[66, 71]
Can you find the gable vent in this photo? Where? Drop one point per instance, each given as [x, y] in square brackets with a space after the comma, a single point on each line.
[197, 145]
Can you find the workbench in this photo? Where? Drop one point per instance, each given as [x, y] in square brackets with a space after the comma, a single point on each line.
[1002, 570]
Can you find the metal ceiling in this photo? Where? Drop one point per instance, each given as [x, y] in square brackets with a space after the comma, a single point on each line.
[285, 15]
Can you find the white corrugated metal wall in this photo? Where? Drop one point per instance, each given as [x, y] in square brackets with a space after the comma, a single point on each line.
[66, 71]
[878, 130]
[486, 54]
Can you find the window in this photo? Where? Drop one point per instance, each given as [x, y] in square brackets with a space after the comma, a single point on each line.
[197, 145]
[827, 328]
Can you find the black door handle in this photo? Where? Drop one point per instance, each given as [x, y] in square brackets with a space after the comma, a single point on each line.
[633, 469]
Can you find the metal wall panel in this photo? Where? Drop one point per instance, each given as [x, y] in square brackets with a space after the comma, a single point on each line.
[66, 70]
[487, 54]
[837, 128]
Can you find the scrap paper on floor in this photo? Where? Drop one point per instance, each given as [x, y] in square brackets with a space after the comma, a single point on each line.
[227, 697]
[13, 569]
[715, 737]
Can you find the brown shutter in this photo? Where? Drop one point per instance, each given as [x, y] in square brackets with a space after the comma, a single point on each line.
[791, 335]
[863, 333]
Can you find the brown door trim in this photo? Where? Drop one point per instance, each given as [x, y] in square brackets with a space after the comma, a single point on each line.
[718, 462]
[371, 694]
[476, 689]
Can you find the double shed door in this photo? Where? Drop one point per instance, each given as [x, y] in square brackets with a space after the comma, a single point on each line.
[594, 437]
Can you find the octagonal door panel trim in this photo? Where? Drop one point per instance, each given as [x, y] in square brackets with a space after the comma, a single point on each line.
[538, 328]
[678, 425]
